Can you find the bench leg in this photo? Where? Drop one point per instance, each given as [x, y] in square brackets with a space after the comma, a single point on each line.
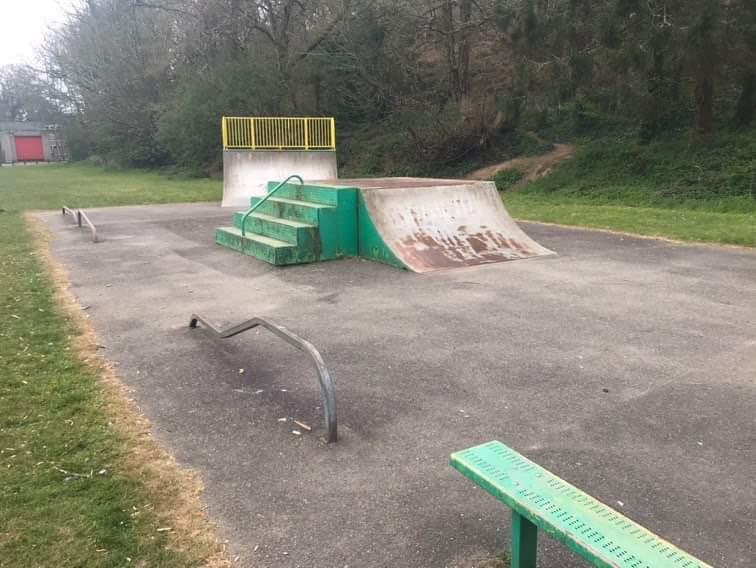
[524, 541]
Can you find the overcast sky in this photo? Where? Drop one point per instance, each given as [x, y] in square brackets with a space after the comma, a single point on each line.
[23, 24]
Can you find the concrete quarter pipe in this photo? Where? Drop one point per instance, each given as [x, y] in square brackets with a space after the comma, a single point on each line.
[438, 224]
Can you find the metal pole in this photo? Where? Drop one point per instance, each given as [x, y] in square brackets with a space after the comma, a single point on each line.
[327, 387]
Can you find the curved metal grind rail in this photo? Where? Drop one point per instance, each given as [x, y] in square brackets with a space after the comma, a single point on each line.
[327, 388]
[264, 199]
[81, 217]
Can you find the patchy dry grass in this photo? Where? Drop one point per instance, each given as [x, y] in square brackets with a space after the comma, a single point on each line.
[82, 483]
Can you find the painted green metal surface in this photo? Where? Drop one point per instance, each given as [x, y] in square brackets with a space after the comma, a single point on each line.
[371, 245]
[598, 533]
[524, 542]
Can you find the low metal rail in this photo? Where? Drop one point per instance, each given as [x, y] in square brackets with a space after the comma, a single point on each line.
[270, 194]
[69, 211]
[327, 388]
[80, 217]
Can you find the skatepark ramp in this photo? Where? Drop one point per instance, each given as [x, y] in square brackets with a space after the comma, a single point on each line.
[416, 224]
[259, 149]
[435, 224]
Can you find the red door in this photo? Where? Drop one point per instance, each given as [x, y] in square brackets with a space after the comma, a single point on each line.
[29, 149]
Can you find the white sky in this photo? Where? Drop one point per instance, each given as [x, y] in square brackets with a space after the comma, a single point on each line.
[23, 24]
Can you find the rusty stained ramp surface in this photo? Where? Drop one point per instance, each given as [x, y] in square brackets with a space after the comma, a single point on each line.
[439, 224]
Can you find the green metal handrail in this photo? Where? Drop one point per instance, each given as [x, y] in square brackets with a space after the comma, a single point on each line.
[264, 199]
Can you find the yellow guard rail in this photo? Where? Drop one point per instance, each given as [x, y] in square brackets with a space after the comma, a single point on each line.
[283, 133]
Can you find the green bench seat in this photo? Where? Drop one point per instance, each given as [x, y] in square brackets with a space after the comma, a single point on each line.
[540, 499]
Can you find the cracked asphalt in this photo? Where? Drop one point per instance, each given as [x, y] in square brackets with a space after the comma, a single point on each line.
[626, 366]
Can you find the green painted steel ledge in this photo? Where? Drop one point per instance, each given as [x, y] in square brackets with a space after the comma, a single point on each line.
[541, 500]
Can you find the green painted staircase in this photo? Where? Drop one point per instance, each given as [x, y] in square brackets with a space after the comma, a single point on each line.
[298, 224]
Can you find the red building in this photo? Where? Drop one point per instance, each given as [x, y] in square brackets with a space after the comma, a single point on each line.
[30, 142]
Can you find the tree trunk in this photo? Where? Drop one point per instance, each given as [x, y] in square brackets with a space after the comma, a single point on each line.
[747, 101]
[451, 49]
[233, 37]
[706, 53]
[705, 104]
[463, 60]
[317, 92]
[654, 95]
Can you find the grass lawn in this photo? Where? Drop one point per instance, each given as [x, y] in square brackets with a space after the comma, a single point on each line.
[50, 187]
[70, 492]
[683, 224]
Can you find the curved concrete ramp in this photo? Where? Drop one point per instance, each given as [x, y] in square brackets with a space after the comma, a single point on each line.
[437, 224]
[246, 172]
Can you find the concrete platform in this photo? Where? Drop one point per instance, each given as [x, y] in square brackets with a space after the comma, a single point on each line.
[417, 224]
[626, 366]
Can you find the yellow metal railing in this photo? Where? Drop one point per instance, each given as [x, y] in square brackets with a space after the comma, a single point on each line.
[285, 133]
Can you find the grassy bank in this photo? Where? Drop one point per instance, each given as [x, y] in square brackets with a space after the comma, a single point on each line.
[681, 224]
[74, 490]
[682, 187]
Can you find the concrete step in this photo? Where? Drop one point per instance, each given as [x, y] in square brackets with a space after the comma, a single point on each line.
[270, 250]
[294, 232]
[310, 193]
[292, 209]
